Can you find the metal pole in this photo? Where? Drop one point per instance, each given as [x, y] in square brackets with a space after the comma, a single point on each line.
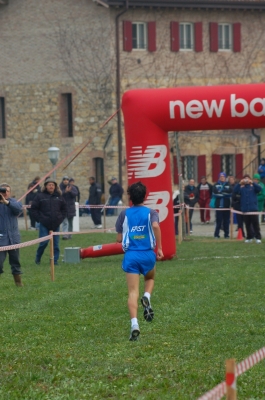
[181, 193]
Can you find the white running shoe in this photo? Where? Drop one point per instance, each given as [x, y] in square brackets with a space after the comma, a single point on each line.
[98, 226]
[135, 332]
[258, 241]
[248, 241]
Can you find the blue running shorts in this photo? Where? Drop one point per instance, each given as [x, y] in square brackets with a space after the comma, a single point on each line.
[139, 261]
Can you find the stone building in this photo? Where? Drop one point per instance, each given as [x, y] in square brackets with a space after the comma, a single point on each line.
[65, 64]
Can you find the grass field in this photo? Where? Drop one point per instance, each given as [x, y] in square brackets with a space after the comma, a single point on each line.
[68, 339]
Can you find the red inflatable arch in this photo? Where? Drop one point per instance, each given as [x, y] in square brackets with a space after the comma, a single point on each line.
[150, 113]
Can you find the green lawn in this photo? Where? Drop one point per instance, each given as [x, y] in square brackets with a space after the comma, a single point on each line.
[68, 339]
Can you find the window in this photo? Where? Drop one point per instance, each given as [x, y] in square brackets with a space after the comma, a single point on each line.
[139, 35]
[228, 164]
[99, 169]
[66, 115]
[186, 36]
[2, 118]
[224, 36]
[189, 167]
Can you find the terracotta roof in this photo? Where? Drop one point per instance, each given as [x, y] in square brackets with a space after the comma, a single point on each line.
[202, 4]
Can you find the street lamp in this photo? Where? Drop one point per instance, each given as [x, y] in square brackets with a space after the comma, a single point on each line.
[53, 154]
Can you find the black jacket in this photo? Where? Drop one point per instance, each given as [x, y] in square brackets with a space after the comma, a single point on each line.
[192, 193]
[94, 194]
[116, 190]
[222, 191]
[69, 197]
[49, 209]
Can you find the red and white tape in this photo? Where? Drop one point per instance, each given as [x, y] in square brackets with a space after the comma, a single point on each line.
[220, 390]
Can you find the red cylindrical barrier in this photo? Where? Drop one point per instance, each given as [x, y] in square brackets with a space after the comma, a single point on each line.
[101, 250]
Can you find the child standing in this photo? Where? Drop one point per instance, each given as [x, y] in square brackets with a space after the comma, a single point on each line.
[138, 230]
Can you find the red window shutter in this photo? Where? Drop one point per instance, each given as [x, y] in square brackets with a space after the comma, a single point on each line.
[174, 33]
[175, 171]
[213, 36]
[237, 37]
[201, 167]
[127, 36]
[216, 167]
[198, 36]
[152, 36]
[239, 166]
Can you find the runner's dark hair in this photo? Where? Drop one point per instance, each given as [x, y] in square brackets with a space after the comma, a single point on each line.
[137, 193]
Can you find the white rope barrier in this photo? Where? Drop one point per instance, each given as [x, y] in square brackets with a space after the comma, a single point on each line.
[25, 244]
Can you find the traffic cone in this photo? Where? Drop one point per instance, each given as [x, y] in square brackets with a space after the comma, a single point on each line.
[239, 234]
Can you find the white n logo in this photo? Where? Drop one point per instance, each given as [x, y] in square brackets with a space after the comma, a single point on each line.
[158, 201]
[140, 164]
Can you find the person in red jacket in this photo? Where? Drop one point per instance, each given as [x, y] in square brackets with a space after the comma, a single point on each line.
[205, 193]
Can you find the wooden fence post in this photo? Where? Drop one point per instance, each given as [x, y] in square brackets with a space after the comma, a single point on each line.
[51, 256]
[104, 219]
[188, 219]
[230, 379]
[231, 223]
[180, 238]
[26, 218]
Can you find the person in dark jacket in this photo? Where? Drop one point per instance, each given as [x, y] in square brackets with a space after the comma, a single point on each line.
[222, 192]
[115, 192]
[28, 201]
[236, 205]
[95, 199]
[261, 170]
[9, 233]
[69, 193]
[192, 192]
[72, 182]
[49, 209]
[205, 194]
[248, 191]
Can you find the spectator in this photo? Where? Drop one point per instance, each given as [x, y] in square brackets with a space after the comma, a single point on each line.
[95, 199]
[49, 209]
[236, 204]
[261, 170]
[28, 201]
[261, 194]
[192, 192]
[176, 202]
[138, 230]
[222, 192]
[205, 194]
[72, 182]
[9, 211]
[248, 191]
[36, 180]
[69, 193]
[115, 192]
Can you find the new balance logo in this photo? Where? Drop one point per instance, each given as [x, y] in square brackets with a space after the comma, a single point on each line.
[148, 164]
[158, 201]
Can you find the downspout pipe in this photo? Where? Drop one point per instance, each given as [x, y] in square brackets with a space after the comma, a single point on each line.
[258, 138]
[118, 88]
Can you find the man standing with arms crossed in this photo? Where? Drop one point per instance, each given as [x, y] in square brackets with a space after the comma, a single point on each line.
[139, 232]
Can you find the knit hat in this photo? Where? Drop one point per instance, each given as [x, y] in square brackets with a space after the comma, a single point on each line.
[256, 176]
[222, 174]
[49, 180]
